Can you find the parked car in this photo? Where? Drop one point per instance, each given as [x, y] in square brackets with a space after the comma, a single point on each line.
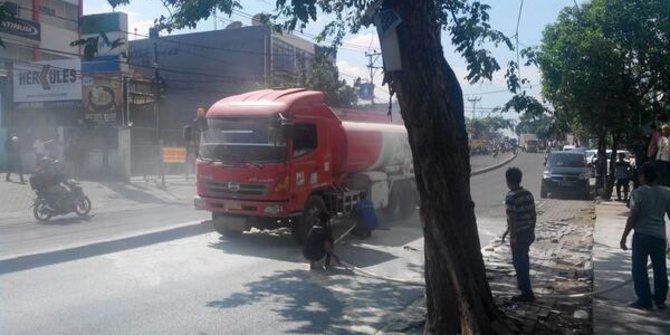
[566, 172]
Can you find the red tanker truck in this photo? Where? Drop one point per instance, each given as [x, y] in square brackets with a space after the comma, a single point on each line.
[276, 158]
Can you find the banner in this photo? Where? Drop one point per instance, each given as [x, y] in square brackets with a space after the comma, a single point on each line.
[55, 80]
[103, 99]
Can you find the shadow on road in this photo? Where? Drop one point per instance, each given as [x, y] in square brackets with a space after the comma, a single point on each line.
[28, 262]
[280, 245]
[322, 302]
[66, 221]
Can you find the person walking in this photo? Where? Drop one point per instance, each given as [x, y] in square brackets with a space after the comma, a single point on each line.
[40, 147]
[652, 148]
[663, 156]
[648, 206]
[622, 171]
[14, 164]
[521, 219]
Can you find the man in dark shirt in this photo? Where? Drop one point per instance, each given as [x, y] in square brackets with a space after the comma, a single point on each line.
[622, 171]
[521, 218]
[13, 149]
[319, 245]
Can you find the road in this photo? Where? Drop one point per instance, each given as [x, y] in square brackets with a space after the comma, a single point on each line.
[159, 270]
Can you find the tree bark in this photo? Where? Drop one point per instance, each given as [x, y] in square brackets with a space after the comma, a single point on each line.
[459, 298]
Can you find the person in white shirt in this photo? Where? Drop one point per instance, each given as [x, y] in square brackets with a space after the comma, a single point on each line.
[663, 156]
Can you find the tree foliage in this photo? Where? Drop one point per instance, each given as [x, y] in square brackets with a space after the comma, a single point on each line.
[488, 127]
[322, 75]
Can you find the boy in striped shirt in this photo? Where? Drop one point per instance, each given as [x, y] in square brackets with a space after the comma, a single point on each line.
[521, 218]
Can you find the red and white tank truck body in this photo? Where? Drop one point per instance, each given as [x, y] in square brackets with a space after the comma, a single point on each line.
[274, 158]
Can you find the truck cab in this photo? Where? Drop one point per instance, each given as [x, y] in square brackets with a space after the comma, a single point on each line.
[277, 158]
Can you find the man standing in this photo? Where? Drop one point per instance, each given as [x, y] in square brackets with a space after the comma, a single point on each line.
[521, 218]
[649, 204]
[622, 171]
[14, 164]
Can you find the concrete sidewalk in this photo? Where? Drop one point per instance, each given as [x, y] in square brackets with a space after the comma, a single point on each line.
[612, 266]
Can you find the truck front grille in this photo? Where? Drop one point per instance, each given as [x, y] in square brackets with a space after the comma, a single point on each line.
[228, 189]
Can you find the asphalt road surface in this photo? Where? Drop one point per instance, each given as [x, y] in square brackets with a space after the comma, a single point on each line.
[161, 271]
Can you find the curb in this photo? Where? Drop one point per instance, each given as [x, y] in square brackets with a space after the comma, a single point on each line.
[493, 167]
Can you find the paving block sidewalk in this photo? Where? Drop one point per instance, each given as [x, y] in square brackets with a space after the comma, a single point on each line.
[612, 266]
[560, 265]
[16, 199]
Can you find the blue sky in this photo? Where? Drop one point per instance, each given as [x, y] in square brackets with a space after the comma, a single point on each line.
[536, 14]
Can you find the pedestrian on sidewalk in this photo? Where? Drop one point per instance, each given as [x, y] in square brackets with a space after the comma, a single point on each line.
[14, 164]
[640, 152]
[521, 219]
[652, 148]
[40, 147]
[622, 171]
[648, 206]
[663, 156]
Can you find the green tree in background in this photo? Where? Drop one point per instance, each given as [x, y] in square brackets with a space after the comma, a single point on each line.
[605, 67]
[459, 299]
[323, 76]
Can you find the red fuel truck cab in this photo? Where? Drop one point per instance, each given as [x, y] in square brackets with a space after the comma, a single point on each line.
[273, 158]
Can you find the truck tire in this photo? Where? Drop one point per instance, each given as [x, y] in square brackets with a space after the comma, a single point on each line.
[409, 202]
[543, 192]
[402, 202]
[222, 228]
[313, 206]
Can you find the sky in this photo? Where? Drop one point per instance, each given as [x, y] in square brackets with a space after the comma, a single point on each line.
[351, 60]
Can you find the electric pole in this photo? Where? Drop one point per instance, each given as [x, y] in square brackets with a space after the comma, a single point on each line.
[372, 60]
[157, 93]
[474, 101]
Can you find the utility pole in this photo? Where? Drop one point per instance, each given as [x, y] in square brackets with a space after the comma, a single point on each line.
[157, 95]
[372, 60]
[474, 101]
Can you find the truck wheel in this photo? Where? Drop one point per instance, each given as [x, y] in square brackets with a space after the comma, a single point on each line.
[221, 227]
[393, 211]
[310, 214]
[408, 205]
[543, 192]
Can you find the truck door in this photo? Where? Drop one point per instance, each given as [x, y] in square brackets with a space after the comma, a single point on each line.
[305, 163]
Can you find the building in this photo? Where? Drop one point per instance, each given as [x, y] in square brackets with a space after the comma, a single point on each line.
[37, 42]
[197, 69]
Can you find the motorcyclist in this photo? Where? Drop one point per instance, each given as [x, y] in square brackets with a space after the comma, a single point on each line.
[49, 181]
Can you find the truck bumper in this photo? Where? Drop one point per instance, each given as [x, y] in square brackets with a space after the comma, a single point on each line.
[273, 209]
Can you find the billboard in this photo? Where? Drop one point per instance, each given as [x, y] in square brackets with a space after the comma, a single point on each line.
[109, 31]
[55, 80]
[103, 99]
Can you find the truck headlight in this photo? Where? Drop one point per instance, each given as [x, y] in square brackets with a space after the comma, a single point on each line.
[546, 175]
[273, 209]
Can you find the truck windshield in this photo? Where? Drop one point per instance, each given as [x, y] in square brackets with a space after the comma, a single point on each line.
[243, 139]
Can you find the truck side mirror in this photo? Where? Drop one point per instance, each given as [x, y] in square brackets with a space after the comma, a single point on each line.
[187, 133]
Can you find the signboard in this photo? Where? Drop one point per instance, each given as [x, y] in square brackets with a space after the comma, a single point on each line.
[22, 28]
[174, 154]
[102, 99]
[366, 91]
[110, 30]
[55, 80]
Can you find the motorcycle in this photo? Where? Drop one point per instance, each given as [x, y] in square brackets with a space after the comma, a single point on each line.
[76, 201]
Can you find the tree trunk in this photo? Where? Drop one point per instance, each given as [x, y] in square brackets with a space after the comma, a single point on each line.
[601, 165]
[458, 295]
